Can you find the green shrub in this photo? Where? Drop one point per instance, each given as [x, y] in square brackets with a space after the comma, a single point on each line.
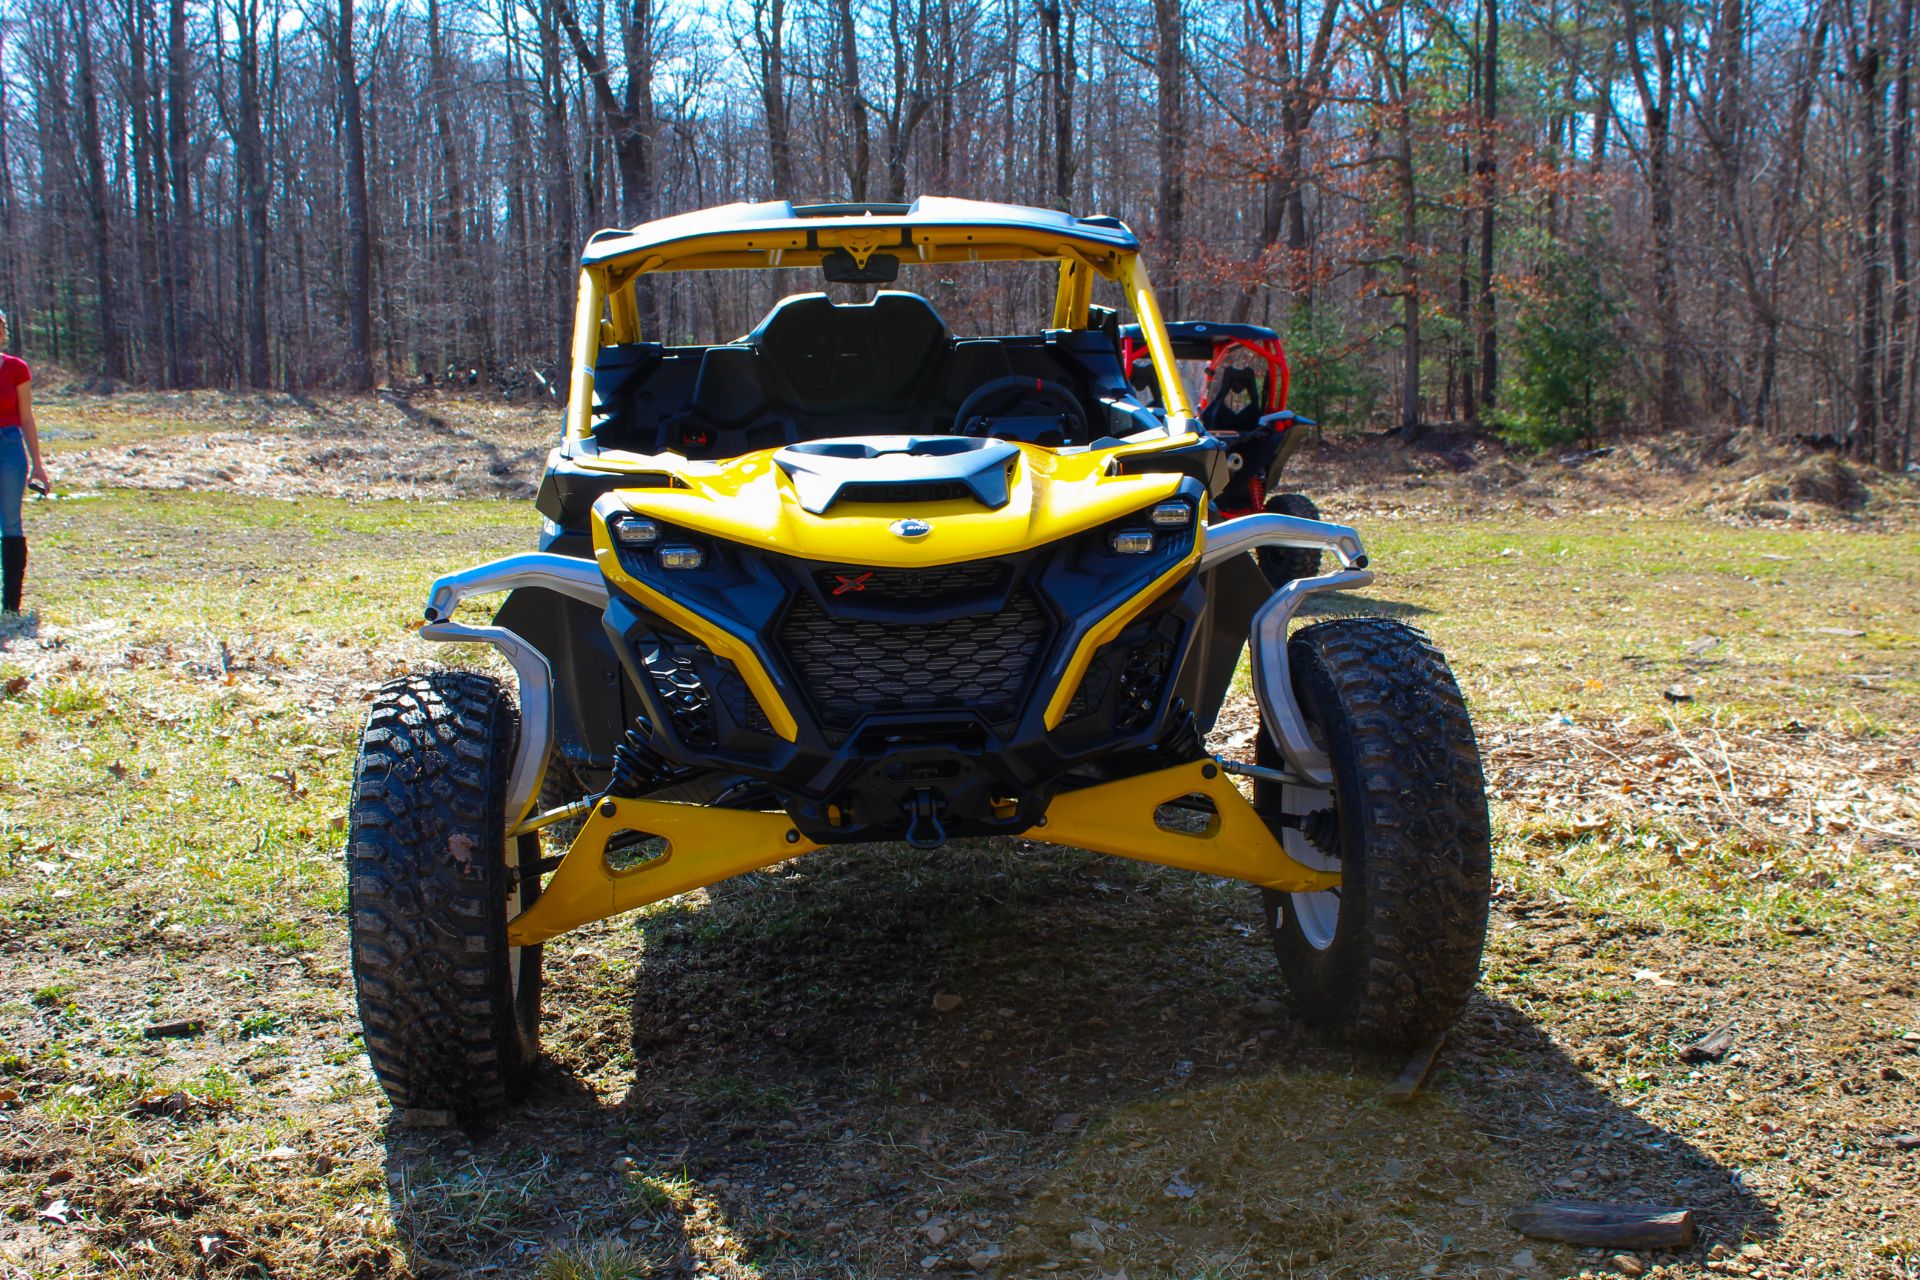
[1566, 356]
[1331, 382]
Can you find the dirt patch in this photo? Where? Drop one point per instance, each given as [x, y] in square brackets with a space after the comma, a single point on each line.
[381, 446]
[1732, 477]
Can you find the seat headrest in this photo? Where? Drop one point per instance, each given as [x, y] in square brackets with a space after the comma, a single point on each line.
[1218, 416]
[863, 354]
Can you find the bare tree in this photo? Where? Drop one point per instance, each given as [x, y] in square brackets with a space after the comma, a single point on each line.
[98, 197]
[359, 227]
[1653, 42]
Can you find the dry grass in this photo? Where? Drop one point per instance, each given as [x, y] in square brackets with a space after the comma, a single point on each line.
[754, 1081]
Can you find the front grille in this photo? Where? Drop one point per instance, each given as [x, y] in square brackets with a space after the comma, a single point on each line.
[677, 681]
[939, 586]
[850, 667]
[1135, 666]
[1141, 681]
[688, 677]
[738, 699]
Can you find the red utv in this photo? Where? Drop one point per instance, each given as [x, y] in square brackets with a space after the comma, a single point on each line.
[1243, 403]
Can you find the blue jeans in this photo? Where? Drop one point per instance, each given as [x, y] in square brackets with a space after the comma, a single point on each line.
[13, 480]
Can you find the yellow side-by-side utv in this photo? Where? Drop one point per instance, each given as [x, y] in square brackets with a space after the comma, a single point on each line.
[855, 577]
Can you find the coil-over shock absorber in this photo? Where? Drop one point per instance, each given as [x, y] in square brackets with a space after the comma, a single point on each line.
[638, 769]
[1181, 741]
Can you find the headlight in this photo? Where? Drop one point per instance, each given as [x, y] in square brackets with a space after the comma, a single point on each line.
[633, 531]
[681, 556]
[1133, 542]
[1171, 515]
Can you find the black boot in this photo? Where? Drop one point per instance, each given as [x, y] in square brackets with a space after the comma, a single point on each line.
[13, 558]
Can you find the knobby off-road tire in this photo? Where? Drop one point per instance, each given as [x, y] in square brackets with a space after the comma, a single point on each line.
[1411, 836]
[1283, 564]
[451, 1012]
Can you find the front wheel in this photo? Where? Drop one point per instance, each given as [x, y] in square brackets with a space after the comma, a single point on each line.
[1391, 957]
[451, 1011]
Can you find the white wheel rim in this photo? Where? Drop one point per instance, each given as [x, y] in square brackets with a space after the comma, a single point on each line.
[1316, 914]
[513, 909]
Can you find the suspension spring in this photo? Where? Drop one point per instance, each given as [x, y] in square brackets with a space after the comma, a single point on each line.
[637, 767]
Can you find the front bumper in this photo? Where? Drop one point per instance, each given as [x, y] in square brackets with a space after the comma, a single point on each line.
[1011, 778]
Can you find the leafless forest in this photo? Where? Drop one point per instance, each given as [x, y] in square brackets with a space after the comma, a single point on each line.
[1563, 218]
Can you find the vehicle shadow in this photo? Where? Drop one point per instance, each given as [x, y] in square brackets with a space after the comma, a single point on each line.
[1003, 1058]
[1009, 1037]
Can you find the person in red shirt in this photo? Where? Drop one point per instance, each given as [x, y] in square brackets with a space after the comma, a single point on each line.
[20, 466]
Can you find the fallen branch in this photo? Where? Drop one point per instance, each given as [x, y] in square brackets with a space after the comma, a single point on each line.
[1605, 1226]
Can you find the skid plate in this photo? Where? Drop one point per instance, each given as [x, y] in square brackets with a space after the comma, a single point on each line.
[705, 846]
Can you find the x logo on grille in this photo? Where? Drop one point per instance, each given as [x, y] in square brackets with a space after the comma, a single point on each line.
[845, 582]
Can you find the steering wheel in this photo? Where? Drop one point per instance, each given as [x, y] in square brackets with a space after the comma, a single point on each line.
[1047, 407]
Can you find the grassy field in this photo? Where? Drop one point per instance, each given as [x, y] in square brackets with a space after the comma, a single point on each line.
[1702, 741]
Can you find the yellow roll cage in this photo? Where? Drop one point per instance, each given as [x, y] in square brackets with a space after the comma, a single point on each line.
[606, 310]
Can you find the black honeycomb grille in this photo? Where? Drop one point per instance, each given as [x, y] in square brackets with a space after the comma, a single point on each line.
[1141, 681]
[739, 700]
[850, 667]
[688, 677]
[676, 679]
[943, 585]
[1138, 663]
[1093, 685]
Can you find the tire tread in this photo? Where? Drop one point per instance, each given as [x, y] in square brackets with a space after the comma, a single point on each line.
[427, 890]
[1403, 750]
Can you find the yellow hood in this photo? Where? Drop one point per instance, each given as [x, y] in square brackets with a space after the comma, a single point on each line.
[752, 500]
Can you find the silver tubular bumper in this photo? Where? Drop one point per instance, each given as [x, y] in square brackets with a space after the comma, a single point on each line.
[1268, 529]
[1273, 682]
[578, 579]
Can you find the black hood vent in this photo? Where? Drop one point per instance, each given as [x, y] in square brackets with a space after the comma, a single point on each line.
[898, 469]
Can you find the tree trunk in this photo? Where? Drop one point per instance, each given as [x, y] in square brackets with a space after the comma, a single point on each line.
[1656, 106]
[10, 272]
[1408, 194]
[146, 236]
[556, 148]
[112, 363]
[911, 101]
[1283, 213]
[250, 160]
[769, 30]
[1868, 57]
[1786, 196]
[1896, 414]
[629, 116]
[183, 354]
[467, 297]
[1485, 175]
[858, 153]
[1058, 70]
[1170, 140]
[359, 370]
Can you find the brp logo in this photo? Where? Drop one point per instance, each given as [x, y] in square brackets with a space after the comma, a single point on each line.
[911, 528]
